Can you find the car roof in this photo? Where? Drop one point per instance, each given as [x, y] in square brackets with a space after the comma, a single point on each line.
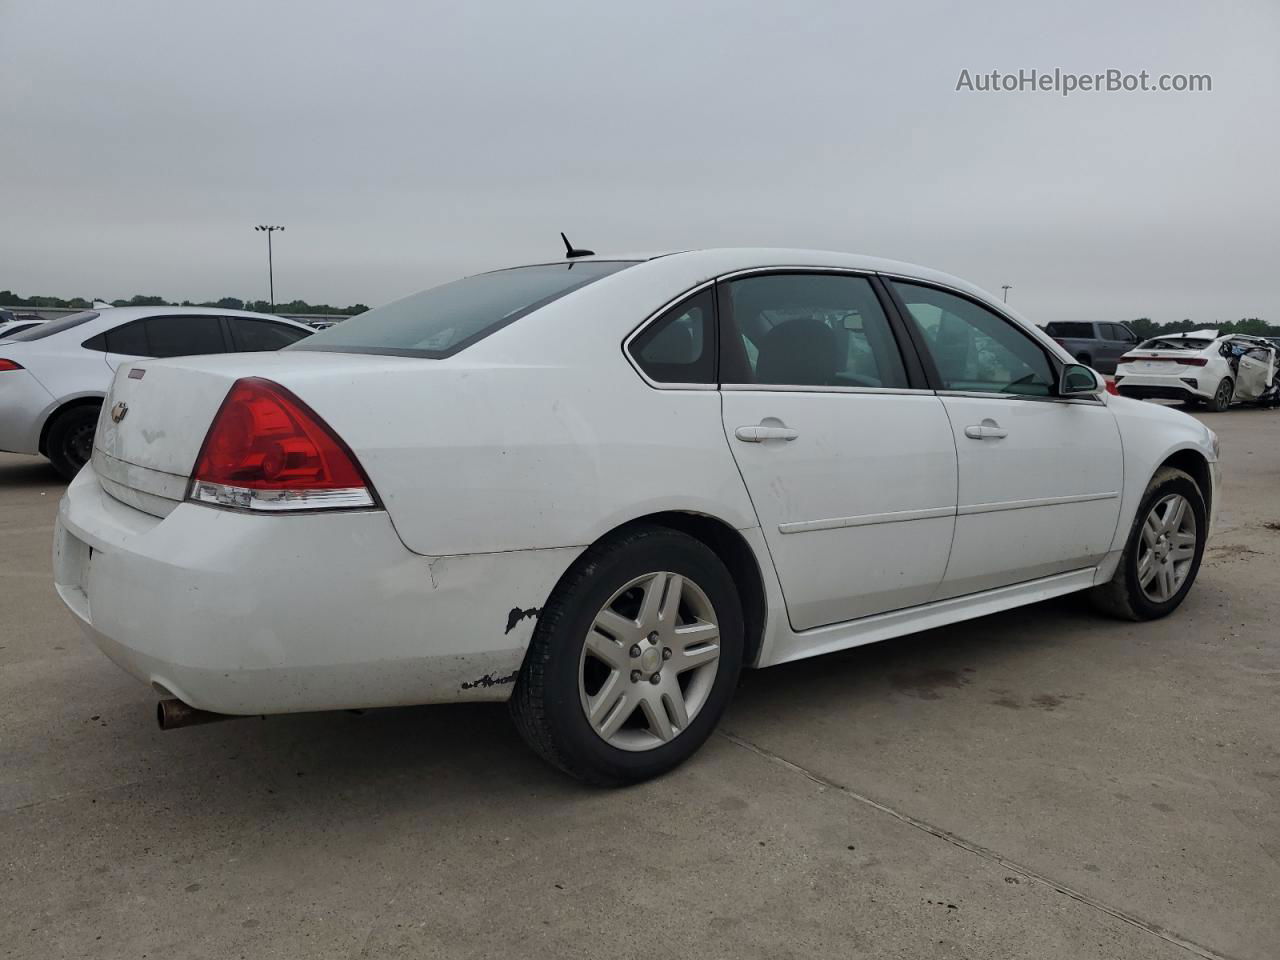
[132, 313]
[717, 261]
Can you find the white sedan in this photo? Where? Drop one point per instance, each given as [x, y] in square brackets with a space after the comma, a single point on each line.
[53, 376]
[1201, 367]
[600, 488]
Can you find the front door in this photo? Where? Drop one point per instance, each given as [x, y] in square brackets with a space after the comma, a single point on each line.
[849, 462]
[1040, 476]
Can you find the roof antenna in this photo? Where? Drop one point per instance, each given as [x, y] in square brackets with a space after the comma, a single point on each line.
[570, 251]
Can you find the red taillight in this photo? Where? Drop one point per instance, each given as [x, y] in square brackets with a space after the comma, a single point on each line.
[10, 365]
[1191, 361]
[267, 450]
[1111, 387]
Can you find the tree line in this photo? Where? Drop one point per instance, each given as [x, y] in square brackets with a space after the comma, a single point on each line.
[1146, 328]
[10, 299]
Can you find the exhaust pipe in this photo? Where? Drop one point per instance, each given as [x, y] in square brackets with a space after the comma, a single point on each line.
[173, 713]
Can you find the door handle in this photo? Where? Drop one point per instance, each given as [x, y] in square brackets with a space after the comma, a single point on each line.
[987, 430]
[759, 434]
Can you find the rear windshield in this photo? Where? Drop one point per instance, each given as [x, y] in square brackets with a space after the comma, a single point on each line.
[55, 326]
[443, 320]
[1081, 330]
[1174, 343]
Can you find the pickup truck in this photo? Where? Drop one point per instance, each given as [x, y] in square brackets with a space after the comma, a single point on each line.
[1097, 345]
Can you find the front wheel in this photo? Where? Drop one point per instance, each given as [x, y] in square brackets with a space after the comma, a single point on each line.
[634, 658]
[1222, 396]
[1162, 556]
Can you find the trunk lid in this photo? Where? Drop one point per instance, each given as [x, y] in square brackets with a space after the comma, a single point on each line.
[156, 416]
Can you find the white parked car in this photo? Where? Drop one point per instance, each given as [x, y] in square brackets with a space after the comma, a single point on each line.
[53, 377]
[12, 328]
[599, 488]
[1201, 367]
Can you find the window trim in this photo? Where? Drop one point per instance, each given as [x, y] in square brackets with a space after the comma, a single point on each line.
[1056, 364]
[917, 380]
[223, 332]
[661, 312]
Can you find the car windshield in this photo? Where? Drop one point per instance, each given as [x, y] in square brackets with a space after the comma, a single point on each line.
[1175, 343]
[443, 320]
[55, 326]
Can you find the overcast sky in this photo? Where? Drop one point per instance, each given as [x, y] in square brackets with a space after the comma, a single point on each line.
[403, 144]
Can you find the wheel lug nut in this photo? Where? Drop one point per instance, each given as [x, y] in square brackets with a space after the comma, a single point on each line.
[656, 678]
[653, 637]
[635, 676]
[666, 653]
[635, 650]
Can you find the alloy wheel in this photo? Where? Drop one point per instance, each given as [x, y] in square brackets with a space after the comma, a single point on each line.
[649, 661]
[1168, 548]
[1225, 393]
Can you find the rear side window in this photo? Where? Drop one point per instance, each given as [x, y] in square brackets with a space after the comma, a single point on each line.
[810, 330]
[678, 347]
[252, 335]
[178, 336]
[443, 320]
[1076, 331]
[57, 326]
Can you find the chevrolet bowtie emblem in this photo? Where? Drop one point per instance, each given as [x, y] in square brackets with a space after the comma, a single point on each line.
[118, 411]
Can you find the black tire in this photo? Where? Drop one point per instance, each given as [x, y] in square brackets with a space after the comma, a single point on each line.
[1122, 596]
[546, 704]
[69, 443]
[1221, 396]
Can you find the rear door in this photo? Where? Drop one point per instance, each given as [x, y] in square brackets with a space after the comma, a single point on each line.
[1039, 475]
[845, 451]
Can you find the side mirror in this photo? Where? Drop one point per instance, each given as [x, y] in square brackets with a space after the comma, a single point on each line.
[1079, 381]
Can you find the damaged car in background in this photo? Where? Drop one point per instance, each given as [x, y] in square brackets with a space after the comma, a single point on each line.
[1202, 367]
[600, 488]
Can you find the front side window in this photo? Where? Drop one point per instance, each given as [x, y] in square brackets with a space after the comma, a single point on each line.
[973, 348]
[183, 336]
[1072, 330]
[677, 347]
[810, 330]
[443, 320]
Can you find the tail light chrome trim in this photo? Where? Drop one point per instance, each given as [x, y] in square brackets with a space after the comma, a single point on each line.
[278, 501]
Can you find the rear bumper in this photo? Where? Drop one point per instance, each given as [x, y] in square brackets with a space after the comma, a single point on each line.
[1147, 387]
[247, 614]
[23, 401]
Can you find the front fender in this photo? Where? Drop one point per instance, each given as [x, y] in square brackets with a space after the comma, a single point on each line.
[1151, 434]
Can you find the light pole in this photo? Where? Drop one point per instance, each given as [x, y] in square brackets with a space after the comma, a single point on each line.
[271, 278]
[1006, 287]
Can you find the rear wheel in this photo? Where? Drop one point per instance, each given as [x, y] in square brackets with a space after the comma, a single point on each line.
[1162, 556]
[1222, 396]
[634, 658]
[69, 443]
